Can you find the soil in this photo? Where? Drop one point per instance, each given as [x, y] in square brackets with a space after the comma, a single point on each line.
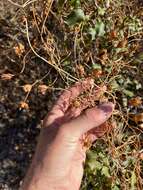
[19, 128]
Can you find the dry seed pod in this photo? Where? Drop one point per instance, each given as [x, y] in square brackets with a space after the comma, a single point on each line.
[103, 55]
[19, 49]
[7, 76]
[81, 70]
[89, 98]
[27, 87]
[123, 43]
[23, 105]
[42, 89]
[113, 34]
[137, 117]
[97, 73]
[137, 101]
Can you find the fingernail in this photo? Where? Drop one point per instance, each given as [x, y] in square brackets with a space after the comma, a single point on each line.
[107, 108]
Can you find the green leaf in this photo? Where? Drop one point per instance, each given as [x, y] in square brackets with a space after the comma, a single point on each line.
[115, 188]
[100, 28]
[75, 3]
[114, 85]
[101, 155]
[106, 161]
[61, 3]
[139, 58]
[75, 17]
[96, 66]
[101, 11]
[66, 62]
[128, 93]
[121, 50]
[108, 69]
[125, 101]
[137, 84]
[92, 32]
[105, 171]
[91, 155]
[133, 180]
[94, 165]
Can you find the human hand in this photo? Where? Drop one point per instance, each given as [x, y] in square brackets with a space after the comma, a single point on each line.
[60, 154]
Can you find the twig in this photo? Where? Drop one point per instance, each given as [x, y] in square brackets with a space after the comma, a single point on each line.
[23, 5]
[72, 78]
[24, 61]
[50, 5]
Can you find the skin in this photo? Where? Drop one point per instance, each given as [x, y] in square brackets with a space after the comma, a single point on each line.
[60, 154]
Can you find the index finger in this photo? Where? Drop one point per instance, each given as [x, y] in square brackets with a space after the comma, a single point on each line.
[66, 98]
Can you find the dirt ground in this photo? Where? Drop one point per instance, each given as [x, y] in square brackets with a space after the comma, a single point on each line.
[18, 127]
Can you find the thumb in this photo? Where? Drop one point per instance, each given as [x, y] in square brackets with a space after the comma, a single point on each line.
[90, 119]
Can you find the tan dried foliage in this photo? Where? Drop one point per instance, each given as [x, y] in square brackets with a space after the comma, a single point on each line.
[81, 70]
[42, 89]
[7, 76]
[27, 87]
[137, 101]
[123, 43]
[137, 118]
[23, 105]
[19, 49]
[97, 73]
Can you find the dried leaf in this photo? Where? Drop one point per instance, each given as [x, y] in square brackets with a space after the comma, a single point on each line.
[42, 89]
[137, 118]
[7, 76]
[88, 100]
[27, 87]
[103, 55]
[23, 105]
[137, 101]
[19, 49]
[97, 73]
[123, 43]
[113, 34]
[81, 70]
[86, 141]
